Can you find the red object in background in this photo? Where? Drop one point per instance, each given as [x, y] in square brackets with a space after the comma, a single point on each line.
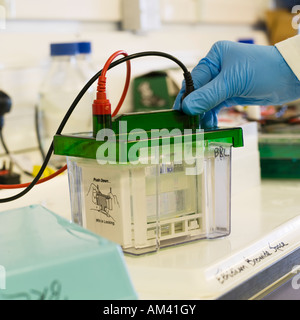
[267, 111]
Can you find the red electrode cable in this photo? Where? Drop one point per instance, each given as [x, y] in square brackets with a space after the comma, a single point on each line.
[102, 100]
[101, 104]
[24, 185]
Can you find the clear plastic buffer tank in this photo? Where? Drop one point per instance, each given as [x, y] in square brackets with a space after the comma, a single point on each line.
[152, 180]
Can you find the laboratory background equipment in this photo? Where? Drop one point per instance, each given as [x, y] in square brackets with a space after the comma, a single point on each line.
[279, 141]
[7, 173]
[59, 88]
[5, 106]
[154, 91]
[85, 60]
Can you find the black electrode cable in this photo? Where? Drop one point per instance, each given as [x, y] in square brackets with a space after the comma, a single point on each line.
[189, 89]
[38, 133]
[186, 74]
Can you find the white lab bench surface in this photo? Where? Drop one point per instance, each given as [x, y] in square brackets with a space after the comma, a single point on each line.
[262, 248]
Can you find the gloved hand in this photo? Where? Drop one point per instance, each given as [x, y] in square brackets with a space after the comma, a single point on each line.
[235, 73]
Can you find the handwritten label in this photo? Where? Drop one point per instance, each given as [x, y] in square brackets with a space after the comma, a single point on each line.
[51, 292]
[220, 152]
[224, 276]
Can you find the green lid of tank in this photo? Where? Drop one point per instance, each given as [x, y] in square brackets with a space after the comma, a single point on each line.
[148, 129]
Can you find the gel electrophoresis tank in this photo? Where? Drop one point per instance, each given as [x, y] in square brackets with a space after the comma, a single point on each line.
[153, 191]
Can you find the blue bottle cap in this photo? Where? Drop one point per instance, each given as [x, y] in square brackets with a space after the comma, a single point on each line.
[63, 49]
[84, 47]
[246, 40]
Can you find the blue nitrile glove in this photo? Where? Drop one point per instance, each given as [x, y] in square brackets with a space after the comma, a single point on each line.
[238, 74]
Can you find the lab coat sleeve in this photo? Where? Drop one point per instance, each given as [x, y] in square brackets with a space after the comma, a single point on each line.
[290, 50]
